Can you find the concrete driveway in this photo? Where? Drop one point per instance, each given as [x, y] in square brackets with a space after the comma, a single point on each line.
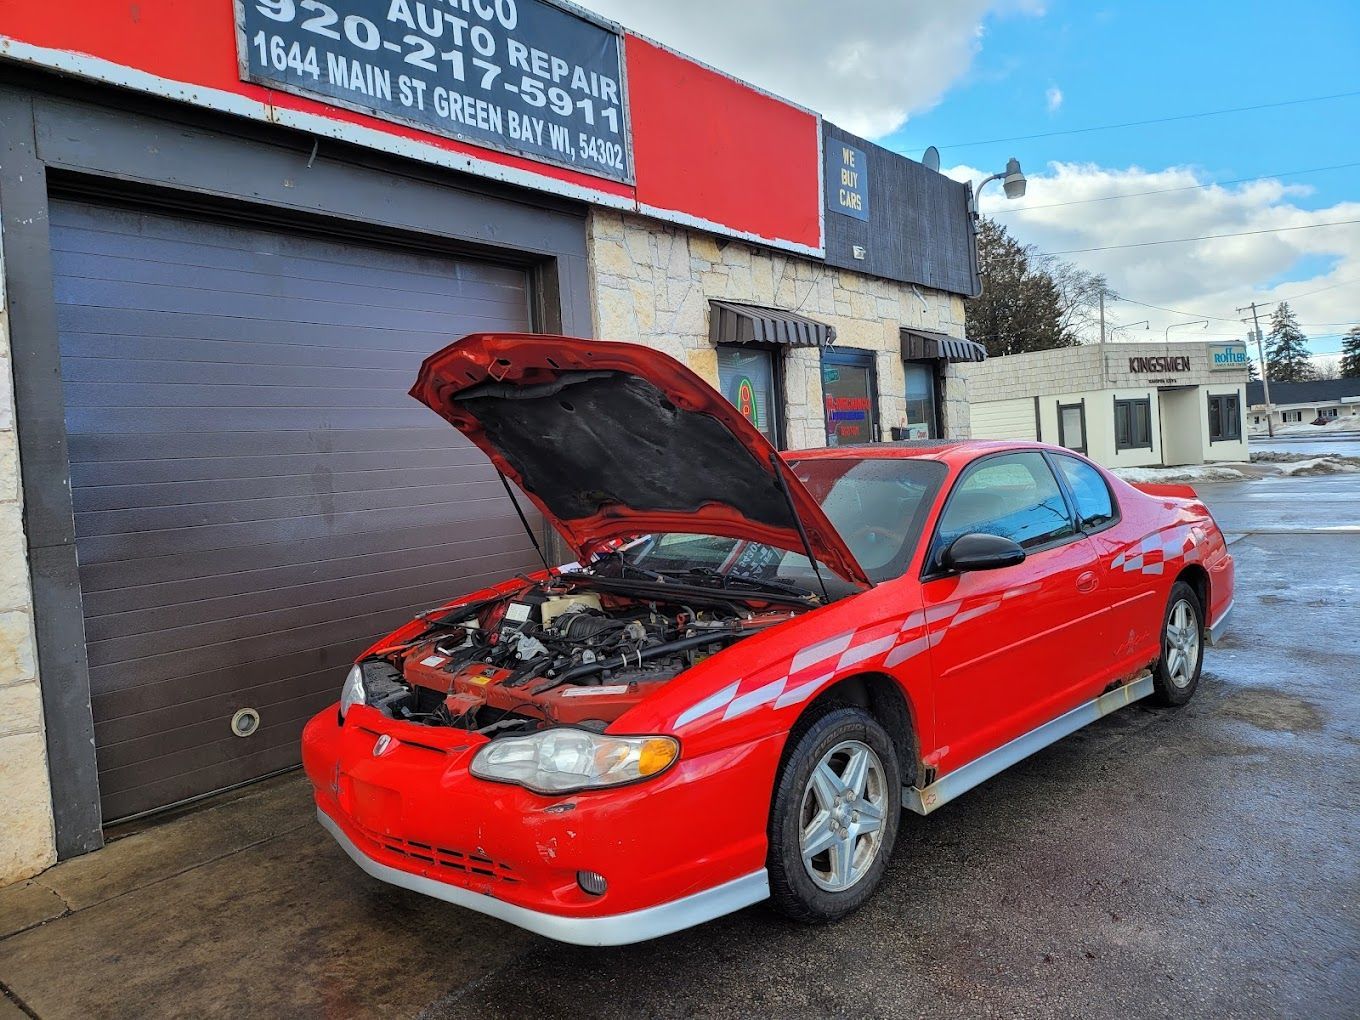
[1200, 862]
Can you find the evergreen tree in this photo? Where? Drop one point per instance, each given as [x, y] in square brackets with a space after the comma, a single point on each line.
[1253, 375]
[1350, 354]
[1021, 306]
[1287, 354]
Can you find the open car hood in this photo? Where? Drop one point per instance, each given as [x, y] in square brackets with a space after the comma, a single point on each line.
[612, 440]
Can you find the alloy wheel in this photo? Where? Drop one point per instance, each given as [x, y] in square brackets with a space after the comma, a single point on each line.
[1182, 643]
[842, 815]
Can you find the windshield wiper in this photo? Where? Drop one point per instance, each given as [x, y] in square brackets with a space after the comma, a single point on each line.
[772, 584]
[671, 589]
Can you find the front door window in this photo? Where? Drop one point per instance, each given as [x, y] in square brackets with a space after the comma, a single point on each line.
[922, 422]
[849, 395]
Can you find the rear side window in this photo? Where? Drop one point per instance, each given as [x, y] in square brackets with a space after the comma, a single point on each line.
[1095, 505]
[1014, 495]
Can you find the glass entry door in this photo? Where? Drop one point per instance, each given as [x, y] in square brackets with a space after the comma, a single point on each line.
[922, 420]
[850, 396]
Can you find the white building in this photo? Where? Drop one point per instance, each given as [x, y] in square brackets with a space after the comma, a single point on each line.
[1333, 402]
[1123, 405]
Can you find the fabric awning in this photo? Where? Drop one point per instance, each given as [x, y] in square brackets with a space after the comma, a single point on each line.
[730, 322]
[920, 344]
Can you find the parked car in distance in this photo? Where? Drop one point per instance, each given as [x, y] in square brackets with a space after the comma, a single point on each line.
[758, 659]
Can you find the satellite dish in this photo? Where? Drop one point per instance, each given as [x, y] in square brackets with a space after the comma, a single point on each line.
[931, 159]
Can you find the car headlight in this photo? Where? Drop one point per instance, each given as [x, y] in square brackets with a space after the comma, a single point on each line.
[353, 692]
[564, 760]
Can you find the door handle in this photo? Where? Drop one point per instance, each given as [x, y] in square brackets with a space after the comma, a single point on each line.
[1087, 581]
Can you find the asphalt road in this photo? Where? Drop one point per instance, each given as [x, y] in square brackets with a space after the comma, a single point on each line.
[1200, 862]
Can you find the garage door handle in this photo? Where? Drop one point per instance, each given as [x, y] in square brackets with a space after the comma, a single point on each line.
[1087, 581]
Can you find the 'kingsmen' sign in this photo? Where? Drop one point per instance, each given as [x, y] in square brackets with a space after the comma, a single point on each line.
[525, 76]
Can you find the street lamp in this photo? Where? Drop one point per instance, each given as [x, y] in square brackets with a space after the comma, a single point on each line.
[1012, 179]
[1177, 325]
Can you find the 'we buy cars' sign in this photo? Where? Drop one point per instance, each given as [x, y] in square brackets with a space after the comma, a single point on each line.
[524, 76]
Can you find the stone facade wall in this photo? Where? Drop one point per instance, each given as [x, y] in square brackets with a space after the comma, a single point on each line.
[652, 282]
[26, 837]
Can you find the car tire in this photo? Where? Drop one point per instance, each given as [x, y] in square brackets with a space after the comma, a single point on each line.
[1177, 672]
[833, 882]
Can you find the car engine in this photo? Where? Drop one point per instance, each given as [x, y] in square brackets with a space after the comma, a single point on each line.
[552, 654]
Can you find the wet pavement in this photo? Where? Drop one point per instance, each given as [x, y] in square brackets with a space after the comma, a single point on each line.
[1200, 862]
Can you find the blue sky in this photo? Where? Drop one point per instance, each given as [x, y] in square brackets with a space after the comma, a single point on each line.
[1116, 63]
[909, 73]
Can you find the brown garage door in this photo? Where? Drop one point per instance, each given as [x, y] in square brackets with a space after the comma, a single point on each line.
[256, 497]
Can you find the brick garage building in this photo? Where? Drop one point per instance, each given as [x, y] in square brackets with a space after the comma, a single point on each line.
[227, 245]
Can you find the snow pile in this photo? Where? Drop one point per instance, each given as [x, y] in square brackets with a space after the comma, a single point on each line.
[1188, 473]
[1320, 466]
[1264, 465]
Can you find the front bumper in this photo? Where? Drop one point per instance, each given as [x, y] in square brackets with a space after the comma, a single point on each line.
[678, 850]
[609, 930]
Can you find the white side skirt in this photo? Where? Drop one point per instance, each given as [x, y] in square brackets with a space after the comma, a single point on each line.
[963, 779]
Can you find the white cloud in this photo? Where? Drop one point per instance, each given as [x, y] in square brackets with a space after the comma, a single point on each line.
[1053, 99]
[866, 65]
[1201, 278]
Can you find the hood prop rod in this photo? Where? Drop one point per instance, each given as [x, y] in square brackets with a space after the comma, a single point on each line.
[524, 520]
[779, 478]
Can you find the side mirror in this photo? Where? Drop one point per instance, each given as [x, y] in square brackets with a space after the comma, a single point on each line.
[981, 552]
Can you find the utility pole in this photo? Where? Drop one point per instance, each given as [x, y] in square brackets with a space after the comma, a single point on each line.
[1104, 358]
[1265, 370]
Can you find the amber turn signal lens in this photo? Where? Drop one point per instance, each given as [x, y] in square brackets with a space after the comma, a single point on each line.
[656, 756]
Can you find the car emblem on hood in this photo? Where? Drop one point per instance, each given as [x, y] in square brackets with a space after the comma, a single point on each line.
[383, 744]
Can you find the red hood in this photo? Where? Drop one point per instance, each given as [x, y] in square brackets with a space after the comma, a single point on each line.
[611, 440]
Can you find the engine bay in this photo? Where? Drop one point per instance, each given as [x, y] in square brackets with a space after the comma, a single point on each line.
[557, 652]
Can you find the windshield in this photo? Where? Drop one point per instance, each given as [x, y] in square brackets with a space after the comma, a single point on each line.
[877, 506]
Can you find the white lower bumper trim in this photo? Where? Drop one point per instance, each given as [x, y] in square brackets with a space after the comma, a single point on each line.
[611, 930]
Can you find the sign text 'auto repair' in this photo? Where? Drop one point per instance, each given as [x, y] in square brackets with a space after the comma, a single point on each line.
[520, 75]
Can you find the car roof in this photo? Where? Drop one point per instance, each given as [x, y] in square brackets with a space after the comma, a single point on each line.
[949, 451]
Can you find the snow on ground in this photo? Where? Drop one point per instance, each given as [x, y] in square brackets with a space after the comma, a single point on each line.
[1262, 466]
[1319, 466]
[1188, 473]
[1341, 423]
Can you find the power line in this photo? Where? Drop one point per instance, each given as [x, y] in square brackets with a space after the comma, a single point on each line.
[1310, 293]
[1007, 210]
[1153, 120]
[1176, 311]
[1204, 237]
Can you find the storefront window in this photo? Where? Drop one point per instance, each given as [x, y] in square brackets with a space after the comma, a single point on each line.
[1225, 417]
[747, 376]
[849, 395]
[1072, 426]
[1133, 424]
[922, 422]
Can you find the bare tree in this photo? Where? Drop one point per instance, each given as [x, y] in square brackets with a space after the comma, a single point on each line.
[1078, 298]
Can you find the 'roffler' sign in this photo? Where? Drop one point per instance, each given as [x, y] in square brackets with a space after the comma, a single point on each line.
[524, 76]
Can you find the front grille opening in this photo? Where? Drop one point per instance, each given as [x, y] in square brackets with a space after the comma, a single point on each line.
[455, 861]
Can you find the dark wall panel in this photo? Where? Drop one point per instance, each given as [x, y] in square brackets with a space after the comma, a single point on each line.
[920, 225]
[255, 495]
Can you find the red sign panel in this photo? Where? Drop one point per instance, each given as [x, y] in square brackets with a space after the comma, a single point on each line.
[708, 151]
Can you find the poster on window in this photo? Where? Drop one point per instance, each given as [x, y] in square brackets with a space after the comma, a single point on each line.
[746, 378]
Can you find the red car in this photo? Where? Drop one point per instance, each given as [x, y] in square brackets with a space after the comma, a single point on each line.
[737, 704]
